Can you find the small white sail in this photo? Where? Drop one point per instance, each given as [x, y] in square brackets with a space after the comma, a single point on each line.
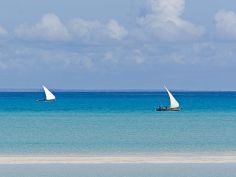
[173, 102]
[48, 94]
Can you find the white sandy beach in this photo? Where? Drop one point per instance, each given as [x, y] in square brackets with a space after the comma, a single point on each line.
[119, 159]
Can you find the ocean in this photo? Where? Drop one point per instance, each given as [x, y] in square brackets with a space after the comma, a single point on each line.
[116, 123]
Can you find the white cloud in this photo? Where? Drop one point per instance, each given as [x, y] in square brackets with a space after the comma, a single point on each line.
[226, 23]
[49, 28]
[115, 30]
[84, 29]
[164, 21]
[95, 30]
[3, 32]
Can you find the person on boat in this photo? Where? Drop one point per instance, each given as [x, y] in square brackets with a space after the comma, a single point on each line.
[158, 108]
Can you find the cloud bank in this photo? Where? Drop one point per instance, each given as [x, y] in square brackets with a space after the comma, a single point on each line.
[163, 22]
[51, 28]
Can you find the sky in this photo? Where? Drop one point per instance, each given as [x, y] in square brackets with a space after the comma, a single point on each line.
[118, 45]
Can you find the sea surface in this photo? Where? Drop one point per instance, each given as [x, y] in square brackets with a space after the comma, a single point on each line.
[119, 170]
[116, 123]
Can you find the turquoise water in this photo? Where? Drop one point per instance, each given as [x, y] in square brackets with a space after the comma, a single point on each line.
[116, 122]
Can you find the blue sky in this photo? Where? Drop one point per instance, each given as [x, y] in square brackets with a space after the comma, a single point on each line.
[126, 44]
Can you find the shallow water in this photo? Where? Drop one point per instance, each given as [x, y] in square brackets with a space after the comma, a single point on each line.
[127, 170]
[113, 123]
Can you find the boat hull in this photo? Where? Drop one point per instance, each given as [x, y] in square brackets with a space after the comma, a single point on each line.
[167, 109]
[44, 100]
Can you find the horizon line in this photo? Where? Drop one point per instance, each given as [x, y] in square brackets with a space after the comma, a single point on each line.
[109, 90]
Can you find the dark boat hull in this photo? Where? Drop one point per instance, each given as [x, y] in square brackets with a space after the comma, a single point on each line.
[167, 109]
[44, 100]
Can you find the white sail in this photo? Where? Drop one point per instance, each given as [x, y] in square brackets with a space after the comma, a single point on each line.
[48, 94]
[173, 102]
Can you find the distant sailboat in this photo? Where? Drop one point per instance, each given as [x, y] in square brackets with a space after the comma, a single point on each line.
[174, 104]
[48, 95]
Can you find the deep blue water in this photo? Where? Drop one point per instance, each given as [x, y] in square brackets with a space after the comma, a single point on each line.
[116, 122]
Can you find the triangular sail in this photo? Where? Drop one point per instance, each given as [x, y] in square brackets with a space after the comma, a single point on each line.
[173, 102]
[48, 94]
